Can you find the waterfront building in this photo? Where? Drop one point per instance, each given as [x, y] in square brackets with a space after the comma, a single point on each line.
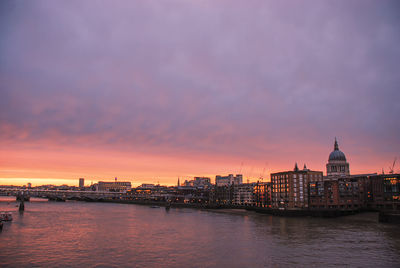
[262, 194]
[152, 192]
[337, 165]
[223, 191]
[340, 190]
[290, 188]
[228, 180]
[347, 193]
[222, 195]
[115, 186]
[384, 191]
[81, 182]
[193, 195]
[243, 194]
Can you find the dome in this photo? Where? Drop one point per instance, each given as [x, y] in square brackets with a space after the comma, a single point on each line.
[337, 154]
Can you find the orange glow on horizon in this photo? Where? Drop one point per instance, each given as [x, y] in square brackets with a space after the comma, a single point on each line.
[65, 165]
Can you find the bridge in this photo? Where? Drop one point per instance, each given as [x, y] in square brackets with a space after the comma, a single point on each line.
[61, 195]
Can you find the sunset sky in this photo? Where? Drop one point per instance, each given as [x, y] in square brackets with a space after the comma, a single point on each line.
[149, 91]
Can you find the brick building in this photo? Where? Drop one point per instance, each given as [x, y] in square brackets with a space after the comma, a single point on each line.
[346, 193]
[290, 188]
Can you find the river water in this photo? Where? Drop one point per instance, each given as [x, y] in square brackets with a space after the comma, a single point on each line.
[79, 234]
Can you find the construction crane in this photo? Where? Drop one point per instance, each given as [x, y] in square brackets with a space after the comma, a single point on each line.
[240, 170]
[251, 172]
[391, 169]
[263, 172]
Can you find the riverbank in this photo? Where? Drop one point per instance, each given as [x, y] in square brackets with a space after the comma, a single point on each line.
[389, 216]
[386, 216]
[275, 212]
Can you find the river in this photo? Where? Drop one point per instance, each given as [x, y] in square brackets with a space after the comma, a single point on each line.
[79, 234]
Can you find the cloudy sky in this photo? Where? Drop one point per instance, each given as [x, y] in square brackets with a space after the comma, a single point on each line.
[149, 91]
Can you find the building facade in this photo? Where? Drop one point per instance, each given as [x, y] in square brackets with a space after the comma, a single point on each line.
[347, 193]
[384, 192]
[243, 194]
[290, 188]
[262, 194]
[228, 180]
[116, 186]
[198, 182]
[222, 195]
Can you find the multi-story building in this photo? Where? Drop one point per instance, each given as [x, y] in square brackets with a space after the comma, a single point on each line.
[223, 191]
[198, 182]
[222, 195]
[290, 188]
[347, 193]
[152, 192]
[384, 191]
[228, 180]
[340, 190]
[243, 194]
[115, 186]
[202, 182]
[262, 194]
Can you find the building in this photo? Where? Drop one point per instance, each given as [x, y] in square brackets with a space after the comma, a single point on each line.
[151, 192]
[343, 191]
[228, 180]
[147, 186]
[290, 188]
[81, 182]
[115, 186]
[337, 165]
[339, 190]
[29, 185]
[198, 182]
[346, 193]
[262, 194]
[384, 191]
[243, 194]
[222, 195]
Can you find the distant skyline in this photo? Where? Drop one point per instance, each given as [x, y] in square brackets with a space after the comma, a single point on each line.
[150, 91]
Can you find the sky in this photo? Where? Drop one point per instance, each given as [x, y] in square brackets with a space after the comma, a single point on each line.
[149, 91]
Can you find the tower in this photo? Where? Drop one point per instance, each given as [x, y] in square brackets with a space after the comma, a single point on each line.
[296, 168]
[81, 182]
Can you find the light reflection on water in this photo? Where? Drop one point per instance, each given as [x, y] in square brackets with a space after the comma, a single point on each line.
[77, 234]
